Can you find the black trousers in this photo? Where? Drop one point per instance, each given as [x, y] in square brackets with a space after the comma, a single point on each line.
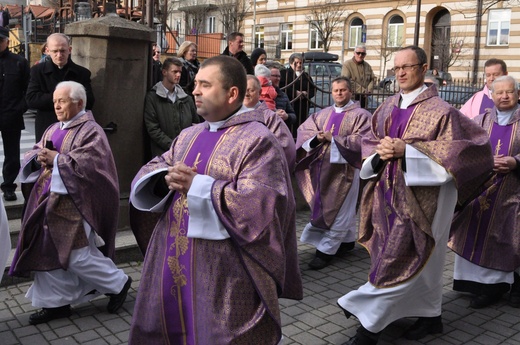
[11, 167]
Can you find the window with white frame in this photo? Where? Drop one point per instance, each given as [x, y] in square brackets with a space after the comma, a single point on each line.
[395, 31]
[355, 31]
[499, 22]
[211, 25]
[286, 36]
[259, 36]
[315, 41]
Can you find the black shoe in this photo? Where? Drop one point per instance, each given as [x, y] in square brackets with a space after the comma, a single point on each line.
[345, 311]
[363, 337]
[48, 314]
[424, 326]
[10, 196]
[345, 247]
[482, 301]
[321, 260]
[116, 301]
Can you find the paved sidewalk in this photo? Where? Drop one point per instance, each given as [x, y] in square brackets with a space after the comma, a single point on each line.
[313, 321]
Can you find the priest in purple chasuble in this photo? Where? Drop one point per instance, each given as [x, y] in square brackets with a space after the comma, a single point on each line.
[274, 122]
[485, 233]
[421, 157]
[329, 158]
[224, 249]
[70, 220]
[482, 100]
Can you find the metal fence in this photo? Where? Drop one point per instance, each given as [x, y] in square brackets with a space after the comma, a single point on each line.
[456, 93]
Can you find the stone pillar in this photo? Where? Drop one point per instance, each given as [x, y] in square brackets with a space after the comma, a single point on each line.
[117, 52]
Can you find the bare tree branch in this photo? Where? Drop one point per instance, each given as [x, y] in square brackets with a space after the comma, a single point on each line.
[326, 17]
[232, 14]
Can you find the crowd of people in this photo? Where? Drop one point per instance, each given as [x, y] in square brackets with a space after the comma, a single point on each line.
[216, 221]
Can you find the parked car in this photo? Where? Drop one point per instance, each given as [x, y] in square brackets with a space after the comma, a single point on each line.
[456, 94]
[389, 84]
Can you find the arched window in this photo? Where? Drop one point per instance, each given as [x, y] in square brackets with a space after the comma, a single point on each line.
[395, 31]
[355, 31]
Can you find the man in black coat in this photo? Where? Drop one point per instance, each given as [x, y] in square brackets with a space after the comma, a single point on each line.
[14, 77]
[46, 75]
[235, 49]
[299, 92]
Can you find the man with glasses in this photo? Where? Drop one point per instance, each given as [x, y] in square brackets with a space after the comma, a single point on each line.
[360, 73]
[157, 75]
[46, 75]
[284, 108]
[486, 239]
[421, 157]
[482, 100]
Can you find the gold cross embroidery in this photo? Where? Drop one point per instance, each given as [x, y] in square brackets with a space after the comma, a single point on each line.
[498, 147]
[197, 161]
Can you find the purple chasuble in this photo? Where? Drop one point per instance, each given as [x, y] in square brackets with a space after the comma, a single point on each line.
[398, 122]
[483, 211]
[177, 283]
[487, 103]
[332, 125]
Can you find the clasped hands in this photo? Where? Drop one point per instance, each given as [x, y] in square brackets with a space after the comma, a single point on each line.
[179, 177]
[391, 148]
[46, 157]
[504, 164]
[324, 136]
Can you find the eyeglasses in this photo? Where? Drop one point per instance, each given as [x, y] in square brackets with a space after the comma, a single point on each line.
[361, 53]
[406, 68]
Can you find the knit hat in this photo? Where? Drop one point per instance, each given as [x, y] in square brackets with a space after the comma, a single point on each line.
[256, 54]
[4, 32]
[262, 71]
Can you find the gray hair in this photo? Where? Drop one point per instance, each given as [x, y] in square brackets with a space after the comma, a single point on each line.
[504, 78]
[255, 80]
[76, 91]
[361, 46]
[295, 56]
[56, 35]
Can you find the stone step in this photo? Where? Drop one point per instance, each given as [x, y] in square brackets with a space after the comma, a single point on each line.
[126, 251]
[14, 208]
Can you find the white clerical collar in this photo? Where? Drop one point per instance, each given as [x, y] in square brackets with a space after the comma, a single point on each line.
[503, 117]
[65, 124]
[214, 126]
[254, 106]
[407, 98]
[342, 109]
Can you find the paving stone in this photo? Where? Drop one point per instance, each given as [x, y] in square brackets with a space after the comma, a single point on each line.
[8, 338]
[34, 339]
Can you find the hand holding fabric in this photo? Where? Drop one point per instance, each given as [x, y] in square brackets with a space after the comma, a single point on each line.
[180, 177]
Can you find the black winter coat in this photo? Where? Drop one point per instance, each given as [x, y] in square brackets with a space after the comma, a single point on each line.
[14, 78]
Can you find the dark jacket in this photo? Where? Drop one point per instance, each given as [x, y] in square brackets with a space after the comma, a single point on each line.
[44, 78]
[156, 72]
[301, 83]
[14, 78]
[189, 70]
[164, 120]
[244, 60]
[283, 102]
[6, 16]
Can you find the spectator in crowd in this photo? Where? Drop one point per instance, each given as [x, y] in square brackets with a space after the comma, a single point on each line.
[14, 78]
[69, 224]
[329, 159]
[235, 49]
[168, 109]
[284, 108]
[482, 100]
[360, 73]
[258, 57]
[218, 259]
[156, 64]
[4, 17]
[417, 166]
[190, 66]
[299, 87]
[484, 233]
[268, 93]
[253, 101]
[46, 75]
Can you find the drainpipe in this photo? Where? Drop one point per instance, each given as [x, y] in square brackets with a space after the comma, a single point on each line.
[417, 24]
[476, 53]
